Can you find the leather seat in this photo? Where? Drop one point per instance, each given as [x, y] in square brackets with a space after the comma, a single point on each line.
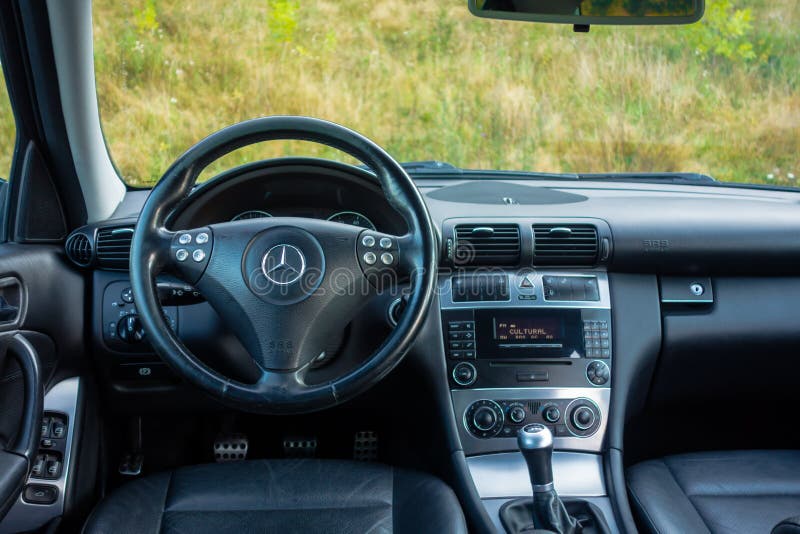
[284, 496]
[733, 491]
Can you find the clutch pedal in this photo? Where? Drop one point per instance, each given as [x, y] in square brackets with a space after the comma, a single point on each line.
[231, 448]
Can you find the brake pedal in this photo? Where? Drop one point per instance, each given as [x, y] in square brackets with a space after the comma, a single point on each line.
[299, 447]
[365, 446]
[231, 448]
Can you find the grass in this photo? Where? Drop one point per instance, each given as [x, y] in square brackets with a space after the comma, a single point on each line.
[426, 80]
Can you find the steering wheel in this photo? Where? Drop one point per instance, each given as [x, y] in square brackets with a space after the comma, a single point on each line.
[283, 285]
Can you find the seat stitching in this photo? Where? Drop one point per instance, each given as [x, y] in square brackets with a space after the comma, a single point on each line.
[685, 493]
[164, 505]
[642, 509]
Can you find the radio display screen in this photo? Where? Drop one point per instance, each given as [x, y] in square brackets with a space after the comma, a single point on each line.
[523, 330]
[525, 333]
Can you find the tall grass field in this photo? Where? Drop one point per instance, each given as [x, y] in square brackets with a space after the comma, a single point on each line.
[427, 80]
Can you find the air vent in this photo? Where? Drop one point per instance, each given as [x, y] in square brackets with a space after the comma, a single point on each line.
[564, 244]
[487, 244]
[79, 249]
[114, 247]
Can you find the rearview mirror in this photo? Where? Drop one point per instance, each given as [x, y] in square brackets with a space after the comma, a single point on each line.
[586, 12]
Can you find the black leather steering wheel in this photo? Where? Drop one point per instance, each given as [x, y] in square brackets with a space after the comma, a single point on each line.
[283, 285]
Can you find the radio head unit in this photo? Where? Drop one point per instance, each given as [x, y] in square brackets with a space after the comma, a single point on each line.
[503, 333]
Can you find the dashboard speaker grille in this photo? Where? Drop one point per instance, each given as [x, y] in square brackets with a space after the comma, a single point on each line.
[487, 244]
[565, 244]
[114, 247]
[79, 249]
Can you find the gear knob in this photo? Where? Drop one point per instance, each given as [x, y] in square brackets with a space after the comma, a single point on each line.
[536, 445]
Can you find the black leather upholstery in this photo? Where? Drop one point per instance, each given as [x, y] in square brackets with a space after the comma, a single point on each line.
[284, 496]
[733, 491]
[790, 525]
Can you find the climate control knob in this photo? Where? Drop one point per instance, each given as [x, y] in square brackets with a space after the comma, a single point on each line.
[583, 417]
[484, 418]
[516, 413]
[551, 414]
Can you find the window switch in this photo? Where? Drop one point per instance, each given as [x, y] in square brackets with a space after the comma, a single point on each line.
[37, 471]
[58, 429]
[45, 427]
[52, 468]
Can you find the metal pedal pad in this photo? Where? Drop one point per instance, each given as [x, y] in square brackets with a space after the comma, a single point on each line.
[131, 464]
[230, 448]
[299, 447]
[365, 446]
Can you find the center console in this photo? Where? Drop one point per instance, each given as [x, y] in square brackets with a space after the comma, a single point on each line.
[528, 347]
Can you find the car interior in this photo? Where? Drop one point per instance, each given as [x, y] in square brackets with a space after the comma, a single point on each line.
[306, 344]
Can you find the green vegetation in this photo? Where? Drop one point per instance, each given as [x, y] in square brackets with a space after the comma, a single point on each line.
[8, 134]
[428, 81]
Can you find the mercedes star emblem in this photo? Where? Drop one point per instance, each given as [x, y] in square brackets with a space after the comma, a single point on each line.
[283, 264]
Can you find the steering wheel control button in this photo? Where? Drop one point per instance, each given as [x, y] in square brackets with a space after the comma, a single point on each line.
[386, 243]
[181, 254]
[185, 239]
[202, 238]
[368, 241]
[464, 374]
[484, 418]
[598, 373]
[370, 258]
[582, 417]
[199, 255]
[387, 258]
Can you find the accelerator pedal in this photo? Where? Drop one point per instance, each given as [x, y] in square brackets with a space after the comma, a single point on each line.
[230, 448]
[365, 446]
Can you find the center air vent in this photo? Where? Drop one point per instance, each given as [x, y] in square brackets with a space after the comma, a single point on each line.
[114, 247]
[487, 244]
[79, 249]
[564, 244]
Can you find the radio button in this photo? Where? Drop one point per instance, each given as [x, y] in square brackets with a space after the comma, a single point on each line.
[456, 335]
[535, 376]
[468, 354]
[455, 325]
[468, 344]
[456, 355]
[456, 345]
[469, 325]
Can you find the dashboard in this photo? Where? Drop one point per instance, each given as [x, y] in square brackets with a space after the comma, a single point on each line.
[283, 189]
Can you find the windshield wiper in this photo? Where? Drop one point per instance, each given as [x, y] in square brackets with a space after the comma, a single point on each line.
[430, 165]
[677, 178]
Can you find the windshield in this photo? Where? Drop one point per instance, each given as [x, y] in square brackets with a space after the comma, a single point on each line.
[428, 81]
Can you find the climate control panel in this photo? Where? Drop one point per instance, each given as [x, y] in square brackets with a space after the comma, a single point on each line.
[579, 417]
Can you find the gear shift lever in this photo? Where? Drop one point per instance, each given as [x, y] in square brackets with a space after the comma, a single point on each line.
[536, 445]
